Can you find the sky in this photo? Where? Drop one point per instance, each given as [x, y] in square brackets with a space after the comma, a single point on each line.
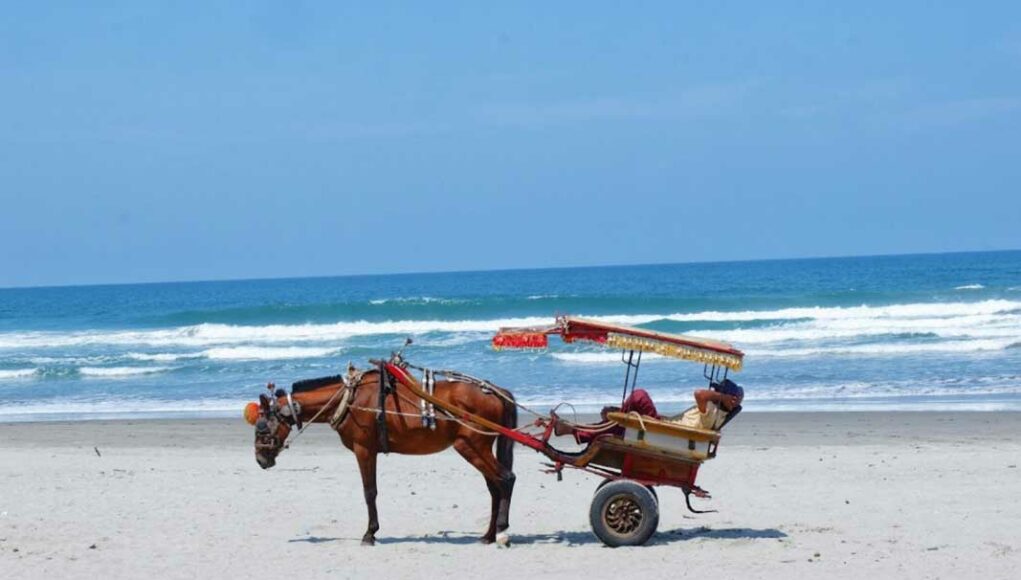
[157, 141]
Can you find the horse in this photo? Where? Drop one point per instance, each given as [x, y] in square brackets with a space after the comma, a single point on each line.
[401, 429]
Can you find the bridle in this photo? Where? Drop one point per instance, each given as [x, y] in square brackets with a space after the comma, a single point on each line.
[271, 414]
[267, 426]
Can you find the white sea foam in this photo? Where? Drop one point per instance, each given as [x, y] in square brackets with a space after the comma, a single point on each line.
[111, 372]
[92, 409]
[18, 373]
[970, 287]
[225, 334]
[267, 353]
[415, 300]
[1005, 327]
[959, 346]
[161, 357]
[989, 319]
[914, 310]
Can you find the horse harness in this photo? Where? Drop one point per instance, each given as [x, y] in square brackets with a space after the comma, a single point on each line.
[351, 381]
[387, 387]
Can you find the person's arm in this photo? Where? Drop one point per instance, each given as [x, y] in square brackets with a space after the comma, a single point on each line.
[705, 396]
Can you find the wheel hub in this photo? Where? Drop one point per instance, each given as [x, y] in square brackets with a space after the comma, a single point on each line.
[623, 515]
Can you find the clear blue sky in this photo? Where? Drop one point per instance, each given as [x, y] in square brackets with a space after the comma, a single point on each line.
[144, 141]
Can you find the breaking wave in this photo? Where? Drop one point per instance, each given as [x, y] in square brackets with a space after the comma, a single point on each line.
[988, 319]
[18, 373]
[268, 353]
[120, 371]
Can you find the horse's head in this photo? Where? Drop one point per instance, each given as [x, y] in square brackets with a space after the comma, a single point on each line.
[273, 424]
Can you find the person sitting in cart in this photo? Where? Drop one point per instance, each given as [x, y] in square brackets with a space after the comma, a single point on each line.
[712, 410]
[713, 407]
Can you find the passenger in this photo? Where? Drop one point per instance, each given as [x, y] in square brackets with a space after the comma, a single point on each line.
[713, 408]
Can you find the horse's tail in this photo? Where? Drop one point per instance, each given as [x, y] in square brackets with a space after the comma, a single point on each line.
[504, 444]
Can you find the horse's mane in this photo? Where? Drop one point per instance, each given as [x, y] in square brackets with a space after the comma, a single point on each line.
[313, 384]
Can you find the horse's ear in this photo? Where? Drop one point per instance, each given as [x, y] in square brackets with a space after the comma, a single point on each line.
[264, 403]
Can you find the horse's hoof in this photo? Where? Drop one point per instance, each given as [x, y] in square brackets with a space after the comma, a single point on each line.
[368, 541]
[487, 539]
[503, 540]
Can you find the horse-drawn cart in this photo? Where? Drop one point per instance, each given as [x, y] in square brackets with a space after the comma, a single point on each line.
[386, 409]
[632, 452]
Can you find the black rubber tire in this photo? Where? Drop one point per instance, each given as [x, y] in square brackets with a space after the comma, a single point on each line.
[654, 494]
[624, 513]
[652, 489]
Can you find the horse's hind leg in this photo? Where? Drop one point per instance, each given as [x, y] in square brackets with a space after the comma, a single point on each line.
[474, 454]
[367, 465]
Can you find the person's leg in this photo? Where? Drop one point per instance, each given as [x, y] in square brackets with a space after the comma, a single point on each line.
[640, 402]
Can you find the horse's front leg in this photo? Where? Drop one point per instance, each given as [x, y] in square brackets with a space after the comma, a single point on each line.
[367, 465]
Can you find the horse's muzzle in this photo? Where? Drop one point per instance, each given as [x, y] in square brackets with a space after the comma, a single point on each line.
[265, 462]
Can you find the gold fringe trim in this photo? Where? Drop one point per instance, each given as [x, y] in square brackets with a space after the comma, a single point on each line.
[732, 362]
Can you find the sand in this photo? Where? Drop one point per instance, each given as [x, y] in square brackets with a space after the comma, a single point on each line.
[834, 495]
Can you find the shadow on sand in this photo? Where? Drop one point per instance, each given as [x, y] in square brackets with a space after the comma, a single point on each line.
[566, 538]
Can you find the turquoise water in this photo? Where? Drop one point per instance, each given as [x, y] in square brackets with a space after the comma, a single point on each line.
[899, 332]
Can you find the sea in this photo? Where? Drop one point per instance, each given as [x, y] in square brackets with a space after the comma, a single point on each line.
[888, 333]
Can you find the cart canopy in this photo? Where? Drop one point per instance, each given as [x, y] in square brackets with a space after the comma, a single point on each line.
[571, 329]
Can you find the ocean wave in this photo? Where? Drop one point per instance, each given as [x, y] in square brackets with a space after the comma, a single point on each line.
[18, 373]
[124, 408]
[268, 353]
[1009, 327]
[984, 319]
[110, 372]
[910, 311]
[161, 357]
[970, 287]
[417, 300]
[960, 346]
[223, 334]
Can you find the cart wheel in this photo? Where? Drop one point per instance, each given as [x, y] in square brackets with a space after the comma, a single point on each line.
[624, 513]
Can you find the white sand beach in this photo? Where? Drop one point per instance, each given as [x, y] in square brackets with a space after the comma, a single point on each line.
[823, 495]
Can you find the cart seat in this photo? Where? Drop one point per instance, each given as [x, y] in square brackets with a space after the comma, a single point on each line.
[690, 441]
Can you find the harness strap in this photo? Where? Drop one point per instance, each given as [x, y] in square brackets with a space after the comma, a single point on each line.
[352, 380]
[385, 388]
[422, 404]
[431, 407]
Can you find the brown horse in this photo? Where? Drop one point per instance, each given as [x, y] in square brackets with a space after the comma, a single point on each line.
[360, 431]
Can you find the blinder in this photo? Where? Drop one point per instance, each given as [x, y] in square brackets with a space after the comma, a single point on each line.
[268, 423]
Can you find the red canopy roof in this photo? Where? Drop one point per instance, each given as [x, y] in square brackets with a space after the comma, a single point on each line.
[571, 329]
